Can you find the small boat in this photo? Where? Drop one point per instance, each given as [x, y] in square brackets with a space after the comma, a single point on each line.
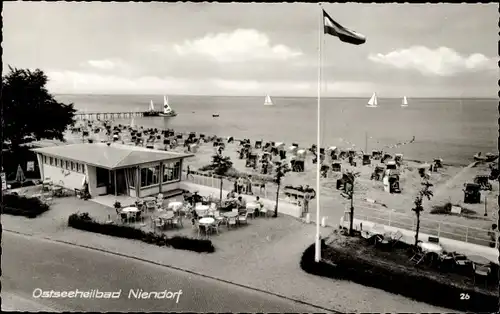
[215, 115]
[405, 102]
[151, 112]
[167, 110]
[479, 157]
[268, 101]
[372, 103]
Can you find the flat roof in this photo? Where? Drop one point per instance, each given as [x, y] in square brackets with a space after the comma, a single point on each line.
[111, 156]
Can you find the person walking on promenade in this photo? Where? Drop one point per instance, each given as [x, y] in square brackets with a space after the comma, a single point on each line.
[493, 234]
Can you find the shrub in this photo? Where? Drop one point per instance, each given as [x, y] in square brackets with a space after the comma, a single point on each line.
[84, 222]
[395, 280]
[16, 205]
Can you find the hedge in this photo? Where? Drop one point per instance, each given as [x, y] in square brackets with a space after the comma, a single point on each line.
[84, 222]
[16, 205]
[420, 288]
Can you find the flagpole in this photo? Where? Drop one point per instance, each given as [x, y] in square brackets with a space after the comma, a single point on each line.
[317, 251]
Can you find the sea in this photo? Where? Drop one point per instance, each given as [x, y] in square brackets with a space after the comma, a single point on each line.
[451, 129]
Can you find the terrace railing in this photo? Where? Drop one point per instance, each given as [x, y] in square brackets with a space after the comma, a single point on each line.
[436, 228]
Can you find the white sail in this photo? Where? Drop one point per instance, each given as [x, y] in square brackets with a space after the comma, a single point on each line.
[373, 101]
[151, 106]
[268, 101]
[166, 106]
[405, 102]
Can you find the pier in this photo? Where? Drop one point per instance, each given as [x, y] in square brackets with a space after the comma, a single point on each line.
[108, 115]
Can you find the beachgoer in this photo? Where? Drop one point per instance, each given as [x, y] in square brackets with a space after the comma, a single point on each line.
[249, 185]
[231, 195]
[239, 185]
[189, 172]
[307, 198]
[260, 202]
[241, 203]
[492, 233]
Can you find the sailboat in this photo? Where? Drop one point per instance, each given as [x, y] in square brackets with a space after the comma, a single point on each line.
[268, 101]
[372, 103]
[151, 112]
[167, 110]
[405, 102]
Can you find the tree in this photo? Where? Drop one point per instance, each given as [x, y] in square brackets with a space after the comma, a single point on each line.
[29, 110]
[221, 164]
[351, 178]
[281, 170]
[424, 192]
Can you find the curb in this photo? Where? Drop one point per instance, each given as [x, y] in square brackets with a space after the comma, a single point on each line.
[178, 269]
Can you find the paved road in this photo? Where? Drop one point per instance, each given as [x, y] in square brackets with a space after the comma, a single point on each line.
[30, 263]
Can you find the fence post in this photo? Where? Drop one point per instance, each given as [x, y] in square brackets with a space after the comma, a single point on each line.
[212, 181]
[439, 228]
[466, 234]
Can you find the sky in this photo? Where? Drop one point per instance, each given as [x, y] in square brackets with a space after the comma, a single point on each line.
[240, 49]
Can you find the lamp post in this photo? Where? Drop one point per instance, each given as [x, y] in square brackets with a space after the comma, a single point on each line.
[485, 206]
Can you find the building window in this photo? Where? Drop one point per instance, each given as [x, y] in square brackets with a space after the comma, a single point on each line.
[51, 161]
[171, 171]
[102, 177]
[66, 165]
[73, 166]
[131, 177]
[45, 159]
[150, 176]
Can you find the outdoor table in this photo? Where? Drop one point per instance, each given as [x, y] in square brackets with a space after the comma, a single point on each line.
[130, 210]
[149, 199]
[201, 210]
[253, 206]
[175, 205]
[479, 260]
[430, 247]
[206, 221]
[230, 214]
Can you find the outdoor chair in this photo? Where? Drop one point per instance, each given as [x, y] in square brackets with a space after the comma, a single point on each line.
[396, 237]
[417, 257]
[150, 206]
[243, 218]
[264, 211]
[231, 222]
[481, 271]
[159, 223]
[159, 197]
[124, 217]
[217, 216]
[177, 221]
[215, 226]
[460, 259]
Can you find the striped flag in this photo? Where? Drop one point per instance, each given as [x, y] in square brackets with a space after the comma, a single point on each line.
[344, 34]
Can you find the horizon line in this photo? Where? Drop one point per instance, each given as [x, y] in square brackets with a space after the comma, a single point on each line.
[280, 96]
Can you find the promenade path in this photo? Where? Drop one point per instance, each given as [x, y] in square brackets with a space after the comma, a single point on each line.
[265, 256]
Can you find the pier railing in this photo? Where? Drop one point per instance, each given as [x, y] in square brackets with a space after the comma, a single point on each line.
[433, 227]
[108, 115]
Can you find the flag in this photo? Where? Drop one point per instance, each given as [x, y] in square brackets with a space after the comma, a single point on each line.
[344, 34]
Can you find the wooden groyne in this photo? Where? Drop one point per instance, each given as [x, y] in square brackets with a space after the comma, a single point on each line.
[108, 115]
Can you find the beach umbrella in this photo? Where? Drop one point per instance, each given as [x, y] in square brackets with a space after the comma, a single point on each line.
[20, 174]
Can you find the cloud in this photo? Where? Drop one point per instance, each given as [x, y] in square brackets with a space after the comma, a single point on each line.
[238, 46]
[442, 61]
[67, 82]
[106, 64]
[84, 82]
